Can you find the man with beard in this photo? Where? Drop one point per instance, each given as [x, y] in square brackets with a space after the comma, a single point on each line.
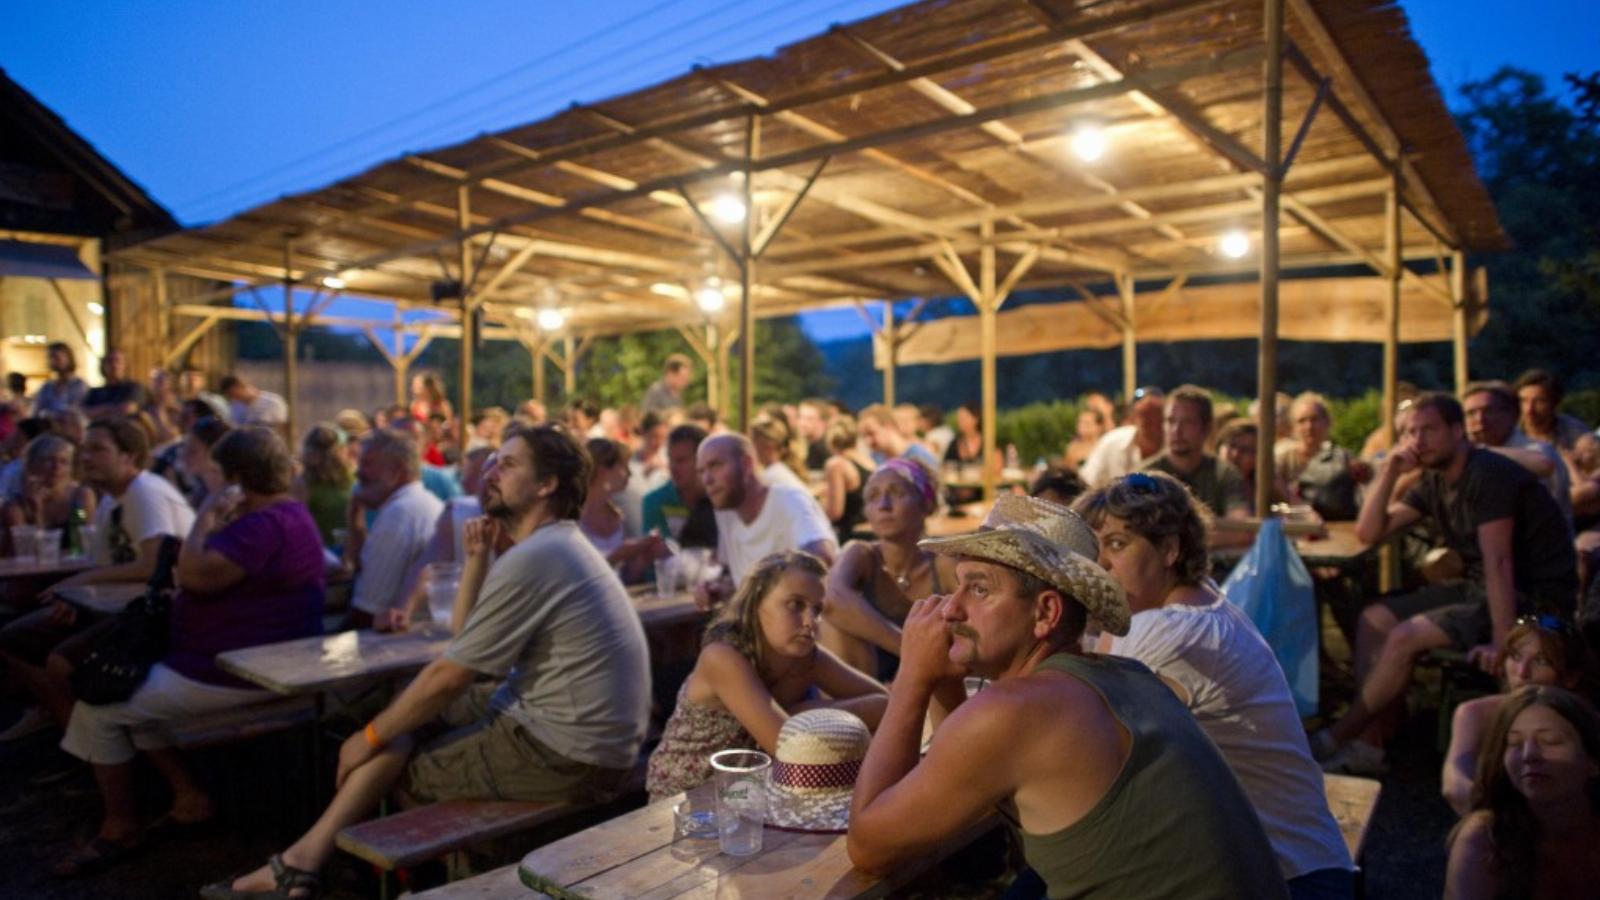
[755, 519]
[1210, 479]
[1517, 553]
[680, 509]
[1115, 790]
[560, 719]
[1491, 410]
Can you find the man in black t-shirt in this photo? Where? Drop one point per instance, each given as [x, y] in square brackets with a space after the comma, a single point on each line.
[1511, 536]
[1211, 480]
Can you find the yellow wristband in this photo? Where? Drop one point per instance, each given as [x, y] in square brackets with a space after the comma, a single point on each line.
[372, 737]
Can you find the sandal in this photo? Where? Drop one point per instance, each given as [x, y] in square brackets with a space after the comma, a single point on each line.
[286, 880]
[97, 855]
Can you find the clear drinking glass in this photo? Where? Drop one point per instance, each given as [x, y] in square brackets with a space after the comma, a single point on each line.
[48, 547]
[443, 581]
[24, 541]
[667, 576]
[86, 534]
[741, 781]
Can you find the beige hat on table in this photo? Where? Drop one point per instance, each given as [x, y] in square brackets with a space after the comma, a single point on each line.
[1050, 542]
[819, 753]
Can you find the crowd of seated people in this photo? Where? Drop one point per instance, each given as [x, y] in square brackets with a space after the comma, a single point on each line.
[1188, 757]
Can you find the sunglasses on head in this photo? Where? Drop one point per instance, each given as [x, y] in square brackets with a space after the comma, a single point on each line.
[1548, 622]
[1144, 392]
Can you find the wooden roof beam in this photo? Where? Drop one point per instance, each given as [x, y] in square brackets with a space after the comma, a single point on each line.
[1347, 82]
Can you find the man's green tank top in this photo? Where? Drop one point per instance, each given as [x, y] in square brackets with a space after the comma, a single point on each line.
[1175, 823]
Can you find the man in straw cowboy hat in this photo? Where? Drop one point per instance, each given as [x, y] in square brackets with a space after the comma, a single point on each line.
[1114, 788]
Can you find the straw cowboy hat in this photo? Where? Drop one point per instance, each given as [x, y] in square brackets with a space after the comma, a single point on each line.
[818, 755]
[1050, 542]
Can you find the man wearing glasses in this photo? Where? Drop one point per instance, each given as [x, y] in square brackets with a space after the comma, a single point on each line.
[1511, 536]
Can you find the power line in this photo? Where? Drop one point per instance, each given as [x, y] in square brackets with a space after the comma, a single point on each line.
[486, 113]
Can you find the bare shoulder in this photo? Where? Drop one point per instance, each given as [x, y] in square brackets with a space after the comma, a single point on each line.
[1038, 699]
[1475, 835]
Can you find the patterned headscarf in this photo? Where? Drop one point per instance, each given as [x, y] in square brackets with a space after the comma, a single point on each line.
[914, 473]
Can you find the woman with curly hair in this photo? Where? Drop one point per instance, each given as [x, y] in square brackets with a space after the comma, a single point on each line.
[1534, 828]
[759, 664]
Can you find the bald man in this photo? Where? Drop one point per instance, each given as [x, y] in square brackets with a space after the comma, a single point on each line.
[755, 518]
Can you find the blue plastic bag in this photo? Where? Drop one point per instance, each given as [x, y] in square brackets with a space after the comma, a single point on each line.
[1274, 589]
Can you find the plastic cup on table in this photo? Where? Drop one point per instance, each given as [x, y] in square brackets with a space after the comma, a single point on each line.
[24, 541]
[86, 535]
[443, 581]
[48, 546]
[667, 576]
[741, 783]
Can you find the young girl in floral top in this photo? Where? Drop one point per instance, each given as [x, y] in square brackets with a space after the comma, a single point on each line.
[759, 664]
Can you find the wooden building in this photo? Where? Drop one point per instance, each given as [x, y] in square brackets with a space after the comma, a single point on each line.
[1119, 148]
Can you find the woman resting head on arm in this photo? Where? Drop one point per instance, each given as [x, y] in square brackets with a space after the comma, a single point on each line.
[1535, 819]
[1540, 650]
[50, 494]
[874, 583]
[759, 663]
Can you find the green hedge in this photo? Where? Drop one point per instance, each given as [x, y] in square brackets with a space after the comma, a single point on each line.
[1042, 430]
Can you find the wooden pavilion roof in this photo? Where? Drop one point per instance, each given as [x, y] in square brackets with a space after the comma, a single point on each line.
[917, 126]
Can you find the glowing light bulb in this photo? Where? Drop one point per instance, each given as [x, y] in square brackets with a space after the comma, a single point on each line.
[709, 297]
[1235, 244]
[728, 209]
[1089, 142]
[552, 319]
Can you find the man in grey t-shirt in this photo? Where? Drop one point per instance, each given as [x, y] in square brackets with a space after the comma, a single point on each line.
[550, 623]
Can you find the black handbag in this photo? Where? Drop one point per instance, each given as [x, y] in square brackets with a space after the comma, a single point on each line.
[134, 641]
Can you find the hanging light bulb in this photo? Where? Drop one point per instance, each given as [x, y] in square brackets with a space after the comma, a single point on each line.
[728, 209]
[333, 282]
[1235, 244]
[1089, 141]
[552, 319]
[709, 297]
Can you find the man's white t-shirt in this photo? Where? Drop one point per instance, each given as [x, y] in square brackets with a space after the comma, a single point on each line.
[1239, 696]
[396, 545]
[1114, 456]
[789, 520]
[266, 409]
[778, 473]
[150, 507]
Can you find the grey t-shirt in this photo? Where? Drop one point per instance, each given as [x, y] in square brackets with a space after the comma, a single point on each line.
[554, 621]
[1215, 483]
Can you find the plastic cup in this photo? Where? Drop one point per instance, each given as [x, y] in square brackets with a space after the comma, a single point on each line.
[48, 546]
[693, 562]
[741, 783]
[667, 576]
[24, 541]
[443, 581]
[86, 535]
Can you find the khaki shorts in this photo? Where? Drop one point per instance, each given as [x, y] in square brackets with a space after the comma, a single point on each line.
[478, 754]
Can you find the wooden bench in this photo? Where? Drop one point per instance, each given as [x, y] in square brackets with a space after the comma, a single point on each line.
[1352, 801]
[238, 724]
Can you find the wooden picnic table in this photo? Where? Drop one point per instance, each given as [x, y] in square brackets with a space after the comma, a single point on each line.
[333, 661]
[22, 581]
[636, 855]
[352, 658]
[1331, 544]
[109, 597]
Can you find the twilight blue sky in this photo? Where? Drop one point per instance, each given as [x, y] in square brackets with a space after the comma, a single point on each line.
[217, 106]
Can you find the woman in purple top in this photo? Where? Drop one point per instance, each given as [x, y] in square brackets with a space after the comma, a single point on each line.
[249, 573]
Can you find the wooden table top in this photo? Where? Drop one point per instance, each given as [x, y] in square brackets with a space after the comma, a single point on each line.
[635, 855]
[109, 597]
[313, 664]
[1337, 545]
[308, 665]
[10, 567]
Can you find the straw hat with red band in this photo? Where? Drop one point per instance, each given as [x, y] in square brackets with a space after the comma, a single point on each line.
[818, 755]
[1048, 541]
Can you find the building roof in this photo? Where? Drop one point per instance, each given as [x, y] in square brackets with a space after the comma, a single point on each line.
[904, 133]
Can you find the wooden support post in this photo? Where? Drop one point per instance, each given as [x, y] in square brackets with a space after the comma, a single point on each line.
[725, 338]
[570, 371]
[1389, 554]
[1391, 309]
[536, 354]
[747, 312]
[289, 336]
[1271, 190]
[163, 316]
[713, 373]
[401, 367]
[988, 308]
[1461, 307]
[1130, 337]
[468, 314]
[891, 352]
